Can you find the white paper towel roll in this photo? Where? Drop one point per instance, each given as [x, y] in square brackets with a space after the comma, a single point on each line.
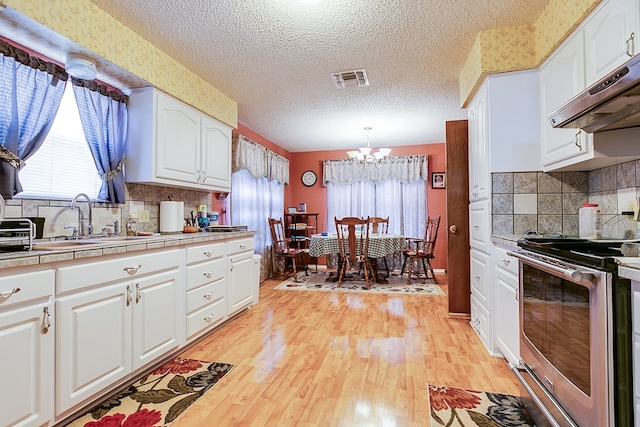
[171, 216]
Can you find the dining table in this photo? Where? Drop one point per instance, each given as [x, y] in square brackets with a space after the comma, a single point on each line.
[380, 245]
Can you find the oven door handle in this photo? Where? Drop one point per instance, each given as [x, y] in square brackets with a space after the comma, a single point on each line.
[570, 273]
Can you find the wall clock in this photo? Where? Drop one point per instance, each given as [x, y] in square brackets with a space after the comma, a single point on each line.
[309, 178]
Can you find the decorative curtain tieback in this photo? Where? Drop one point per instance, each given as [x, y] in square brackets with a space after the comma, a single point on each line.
[108, 176]
[11, 158]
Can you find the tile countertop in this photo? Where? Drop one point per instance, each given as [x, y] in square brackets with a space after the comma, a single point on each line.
[35, 257]
[629, 268]
[506, 239]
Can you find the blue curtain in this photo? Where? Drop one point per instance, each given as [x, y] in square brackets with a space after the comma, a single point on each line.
[30, 94]
[103, 114]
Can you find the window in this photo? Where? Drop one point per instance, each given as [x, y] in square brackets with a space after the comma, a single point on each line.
[63, 166]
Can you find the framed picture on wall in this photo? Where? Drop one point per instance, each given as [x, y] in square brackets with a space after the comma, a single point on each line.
[438, 179]
[291, 209]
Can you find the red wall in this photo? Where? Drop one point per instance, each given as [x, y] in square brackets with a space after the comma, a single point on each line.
[316, 196]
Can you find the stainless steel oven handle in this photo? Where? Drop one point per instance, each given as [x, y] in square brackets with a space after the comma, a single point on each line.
[570, 273]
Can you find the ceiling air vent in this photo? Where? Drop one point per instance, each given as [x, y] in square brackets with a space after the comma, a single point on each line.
[346, 79]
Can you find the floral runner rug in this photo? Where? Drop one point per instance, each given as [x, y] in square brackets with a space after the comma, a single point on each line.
[450, 406]
[159, 397]
[325, 281]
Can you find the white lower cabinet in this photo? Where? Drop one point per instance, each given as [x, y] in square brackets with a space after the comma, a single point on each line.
[206, 287]
[506, 309]
[481, 297]
[74, 331]
[26, 348]
[241, 275]
[108, 331]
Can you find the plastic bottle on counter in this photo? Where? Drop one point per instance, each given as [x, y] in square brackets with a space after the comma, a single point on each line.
[589, 221]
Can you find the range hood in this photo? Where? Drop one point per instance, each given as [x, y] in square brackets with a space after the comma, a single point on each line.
[611, 103]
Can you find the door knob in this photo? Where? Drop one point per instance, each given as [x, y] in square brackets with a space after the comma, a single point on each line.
[453, 229]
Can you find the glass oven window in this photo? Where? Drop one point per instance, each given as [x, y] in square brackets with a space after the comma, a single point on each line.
[556, 320]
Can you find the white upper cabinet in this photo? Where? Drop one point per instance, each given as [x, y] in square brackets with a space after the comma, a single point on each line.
[561, 78]
[172, 144]
[610, 38]
[478, 148]
[603, 41]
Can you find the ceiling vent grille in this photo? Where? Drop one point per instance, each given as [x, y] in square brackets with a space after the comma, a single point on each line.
[347, 79]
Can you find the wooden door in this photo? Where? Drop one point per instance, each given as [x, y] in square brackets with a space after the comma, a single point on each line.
[456, 152]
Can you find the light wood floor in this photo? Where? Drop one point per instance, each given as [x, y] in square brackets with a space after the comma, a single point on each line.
[327, 359]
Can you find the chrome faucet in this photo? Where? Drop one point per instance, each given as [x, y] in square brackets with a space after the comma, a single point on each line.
[89, 230]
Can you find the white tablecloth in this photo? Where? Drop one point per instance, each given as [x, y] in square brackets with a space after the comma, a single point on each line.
[379, 245]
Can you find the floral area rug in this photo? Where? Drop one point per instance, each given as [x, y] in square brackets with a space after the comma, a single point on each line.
[451, 406]
[325, 281]
[158, 398]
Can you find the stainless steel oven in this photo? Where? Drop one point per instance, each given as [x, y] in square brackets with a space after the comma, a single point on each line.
[574, 336]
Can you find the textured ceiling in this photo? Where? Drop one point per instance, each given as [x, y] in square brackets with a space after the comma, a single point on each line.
[275, 57]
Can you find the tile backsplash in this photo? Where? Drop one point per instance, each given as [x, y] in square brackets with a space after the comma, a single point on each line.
[549, 202]
[58, 215]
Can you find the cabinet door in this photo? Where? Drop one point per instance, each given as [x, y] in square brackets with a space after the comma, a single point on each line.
[561, 78]
[156, 321]
[178, 140]
[216, 154]
[481, 322]
[506, 315]
[478, 148]
[480, 280]
[26, 356]
[240, 281]
[608, 41]
[94, 336]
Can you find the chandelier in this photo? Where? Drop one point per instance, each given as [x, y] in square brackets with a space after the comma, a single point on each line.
[364, 155]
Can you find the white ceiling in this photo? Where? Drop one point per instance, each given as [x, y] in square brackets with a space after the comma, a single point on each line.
[275, 57]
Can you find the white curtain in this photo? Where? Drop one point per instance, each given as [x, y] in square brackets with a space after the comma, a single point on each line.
[401, 195]
[257, 192]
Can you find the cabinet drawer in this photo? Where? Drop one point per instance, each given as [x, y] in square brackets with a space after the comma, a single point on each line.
[240, 245]
[206, 317]
[480, 276]
[504, 261]
[205, 295]
[205, 252]
[18, 288]
[74, 277]
[479, 236]
[206, 272]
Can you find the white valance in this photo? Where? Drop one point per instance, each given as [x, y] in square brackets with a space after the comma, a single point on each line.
[258, 160]
[402, 168]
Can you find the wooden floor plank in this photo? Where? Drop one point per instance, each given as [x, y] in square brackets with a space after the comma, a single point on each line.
[320, 358]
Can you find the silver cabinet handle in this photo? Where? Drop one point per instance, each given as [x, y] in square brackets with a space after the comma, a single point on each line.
[476, 227]
[475, 276]
[138, 293]
[517, 294]
[578, 142]
[242, 246]
[207, 254]
[128, 295]
[132, 270]
[207, 274]
[629, 43]
[8, 293]
[46, 320]
[209, 318]
[506, 262]
[208, 296]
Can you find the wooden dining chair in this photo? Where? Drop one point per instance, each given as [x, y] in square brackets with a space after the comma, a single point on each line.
[353, 246]
[422, 251]
[380, 225]
[283, 251]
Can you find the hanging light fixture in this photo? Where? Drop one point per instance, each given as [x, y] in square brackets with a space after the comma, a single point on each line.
[364, 154]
